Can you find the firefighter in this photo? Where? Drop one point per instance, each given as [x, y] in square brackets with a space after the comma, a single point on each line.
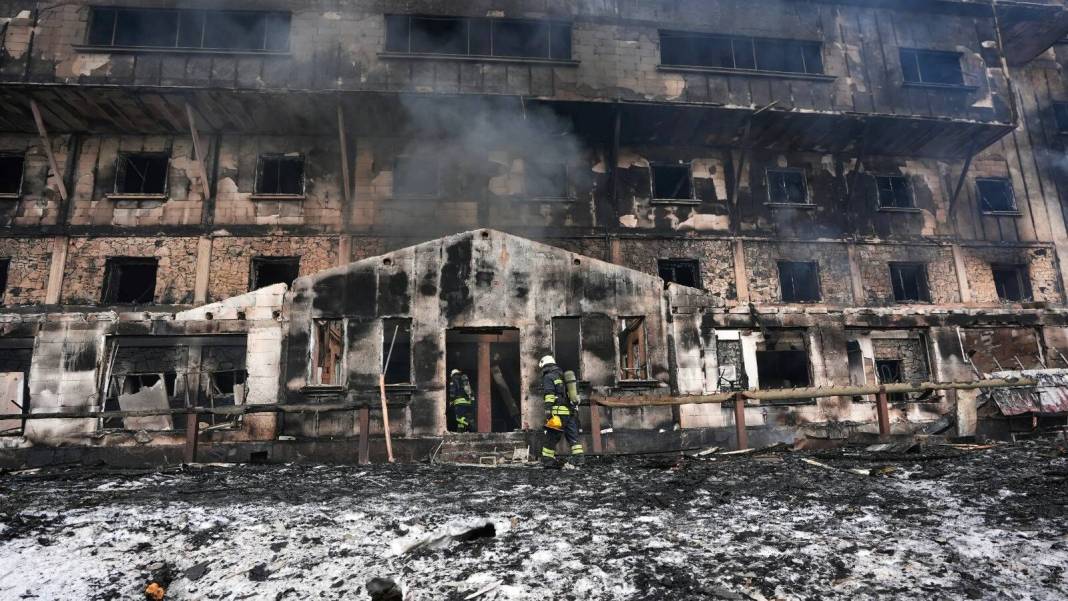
[561, 414]
[462, 401]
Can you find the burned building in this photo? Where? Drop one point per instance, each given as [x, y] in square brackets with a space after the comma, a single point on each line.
[240, 203]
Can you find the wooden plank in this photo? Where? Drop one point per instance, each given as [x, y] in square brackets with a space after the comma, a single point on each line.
[199, 150]
[43, 133]
[485, 391]
[343, 145]
[365, 436]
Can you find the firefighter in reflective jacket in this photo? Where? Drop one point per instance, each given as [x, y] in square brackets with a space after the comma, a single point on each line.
[561, 414]
[462, 401]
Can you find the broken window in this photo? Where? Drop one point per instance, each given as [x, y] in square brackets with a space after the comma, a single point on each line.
[995, 195]
[415, 176]
[1012, 282]
[1060, 116]
[684, 272]
[732, 374]
[517, 38]
[397, 348]
[280, 174]
[267, 271]
[787, 186]
[11, 174]
[931, 67]
[546, 179]
[894, 192]
[889, 371]
[140, 174]
[225, 383]
[567, 348]
[799, 281]
[129, 280]
[779, 367]
[327, 349]
[5, 267]
[632, 349]
[672, 182]
[248, 31]
[687, 49]
[909, 281]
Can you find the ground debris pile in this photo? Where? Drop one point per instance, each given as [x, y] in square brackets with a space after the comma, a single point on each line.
[942, 522]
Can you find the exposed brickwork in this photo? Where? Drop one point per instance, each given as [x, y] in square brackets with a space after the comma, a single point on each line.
[761, 262]
[27, 276]
[86, 257]
[715, 257]
[1040, 264]
[910, 352]
[874, 266]
[231, 259]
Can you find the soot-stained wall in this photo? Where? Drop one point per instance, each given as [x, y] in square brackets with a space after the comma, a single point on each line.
[478, 279]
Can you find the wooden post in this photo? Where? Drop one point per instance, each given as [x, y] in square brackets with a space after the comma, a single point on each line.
[199, 151]
[192, 434]
[739, 421]
[385, 416]
[485, 392]
[595, 428]
[43, 133]
[345, 189]
[883, 408]
[365, 435]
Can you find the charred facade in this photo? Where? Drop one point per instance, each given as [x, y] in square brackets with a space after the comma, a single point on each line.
[759, 194]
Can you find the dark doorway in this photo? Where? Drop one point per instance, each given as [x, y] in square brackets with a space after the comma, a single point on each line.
[490, 359]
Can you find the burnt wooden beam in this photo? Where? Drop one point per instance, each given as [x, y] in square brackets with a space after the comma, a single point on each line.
[43, 134]
[199, 151]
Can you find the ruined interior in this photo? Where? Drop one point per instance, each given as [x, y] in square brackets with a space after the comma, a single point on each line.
[258, 203]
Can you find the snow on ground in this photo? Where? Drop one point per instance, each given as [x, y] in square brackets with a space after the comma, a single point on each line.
[945, 524]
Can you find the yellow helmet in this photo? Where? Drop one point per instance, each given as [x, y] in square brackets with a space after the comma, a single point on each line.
[554, 423]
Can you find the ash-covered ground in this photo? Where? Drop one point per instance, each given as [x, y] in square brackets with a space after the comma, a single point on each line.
[944, 523]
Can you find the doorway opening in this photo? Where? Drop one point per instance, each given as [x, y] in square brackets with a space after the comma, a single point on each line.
[490, 359]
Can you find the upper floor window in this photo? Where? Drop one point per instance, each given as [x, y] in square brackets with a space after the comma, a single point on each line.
[129, 280]
[416, 176]
[11, 175]
[909, 282]
[1011, 282]
[5, 266]
[687, 49]
[685, 272]
[141, 173]
[672, 182]
[931, 66]
[894, 192]
[463, 36]
[787, 186]
[546, 179]
[280, 174]
[241, 30]
[995, 195]
[1060, 116]
[799, 281]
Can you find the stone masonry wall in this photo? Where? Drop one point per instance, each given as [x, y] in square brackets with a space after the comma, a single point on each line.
[875, 271]
[231, 259]
[715, 256]
[86, 257]
[1041, 267]
[761, 262]
[910, 352]
[27, 275]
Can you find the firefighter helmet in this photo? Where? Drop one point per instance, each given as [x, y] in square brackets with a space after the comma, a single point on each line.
[555, 423]
[546, 360]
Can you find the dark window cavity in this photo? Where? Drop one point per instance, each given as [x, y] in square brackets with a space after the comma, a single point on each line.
[280, 174]
[909, 281]
[684, 49]
[783, 369]
[1012, 282]
[931, 67]
[633, 364]
[460, 36]
[891, 371]
[267, 271]
[787, 186]
[1060, 116]
[11, 174]
[415, 176]
[129, 280]
[799, 281]
[5, 267]
[397, 336]
[894, 192]
[995, 195]
[247, 31]
[567, 349]
[546, 179]
[327, 366]
[141, 174]
[685, 272]
[672, 182]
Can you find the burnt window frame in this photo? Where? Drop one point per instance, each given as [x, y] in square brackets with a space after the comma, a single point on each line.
[5, 276]
[21, 177]
[568, 194]
[313, 380]
[914, 56]
[262, 159]
[688, 166]
[417, 196]
[111, 286]
[739, 45]
[814, 267]
[1023, 280]
[980, 197]
[768, 171]
[661, 263]
[257, 260]
[121, 167]
[643, 351]
[180, 14]
[923, 287]
[906, 180]
[1060, 117]
[403, 47]
[387, 338]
